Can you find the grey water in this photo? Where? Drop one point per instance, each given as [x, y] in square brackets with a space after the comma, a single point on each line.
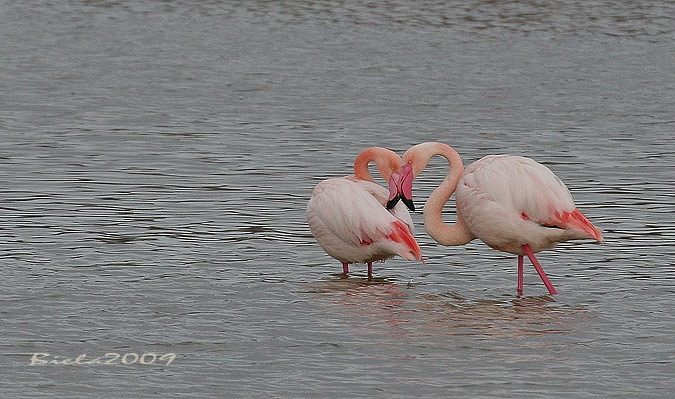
[156, 159]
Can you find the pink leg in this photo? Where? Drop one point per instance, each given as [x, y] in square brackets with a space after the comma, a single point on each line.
[370, 270]
[345, 268]
[520, 274]
[535, 262]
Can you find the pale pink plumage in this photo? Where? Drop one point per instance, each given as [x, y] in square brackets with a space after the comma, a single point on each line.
[508, 201]
[513, 204]
[348, 218]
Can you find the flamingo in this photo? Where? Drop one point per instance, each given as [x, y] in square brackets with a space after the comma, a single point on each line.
[348, 218]
[511, 203]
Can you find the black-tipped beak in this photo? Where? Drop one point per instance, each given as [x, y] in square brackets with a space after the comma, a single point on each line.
[406, 201]
[392, 202]
[400, 188]
[409, 203]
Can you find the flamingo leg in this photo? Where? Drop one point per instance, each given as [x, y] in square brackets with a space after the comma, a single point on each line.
[370, 270]
[520, 274]
[535, 263]
[345, 268]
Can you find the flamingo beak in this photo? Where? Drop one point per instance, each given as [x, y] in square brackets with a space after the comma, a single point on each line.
[400, 188]
[394, 196]
[406, 180]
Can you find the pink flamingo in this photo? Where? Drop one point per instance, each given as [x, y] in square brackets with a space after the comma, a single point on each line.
[348, 217]
[512, 204]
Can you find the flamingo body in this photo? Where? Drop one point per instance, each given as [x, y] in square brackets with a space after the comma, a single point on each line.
[509, 201]
[348, 217]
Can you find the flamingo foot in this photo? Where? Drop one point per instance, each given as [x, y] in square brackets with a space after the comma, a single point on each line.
[370, 270]
[520, 275]
[345, 268]
[540, 270]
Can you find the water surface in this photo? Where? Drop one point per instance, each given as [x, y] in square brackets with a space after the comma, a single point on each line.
[157, 159]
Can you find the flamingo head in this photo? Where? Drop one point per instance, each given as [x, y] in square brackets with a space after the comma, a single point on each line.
[400, 187]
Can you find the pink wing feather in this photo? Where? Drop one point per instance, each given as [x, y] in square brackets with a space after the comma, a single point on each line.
[348, 218]
[497, 193]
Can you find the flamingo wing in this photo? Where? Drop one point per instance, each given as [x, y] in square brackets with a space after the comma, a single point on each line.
[509, 201]
[353, 226]
[547, 201]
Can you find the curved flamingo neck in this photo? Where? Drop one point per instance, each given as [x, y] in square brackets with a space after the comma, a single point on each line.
[443, 233]
[385, 160]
